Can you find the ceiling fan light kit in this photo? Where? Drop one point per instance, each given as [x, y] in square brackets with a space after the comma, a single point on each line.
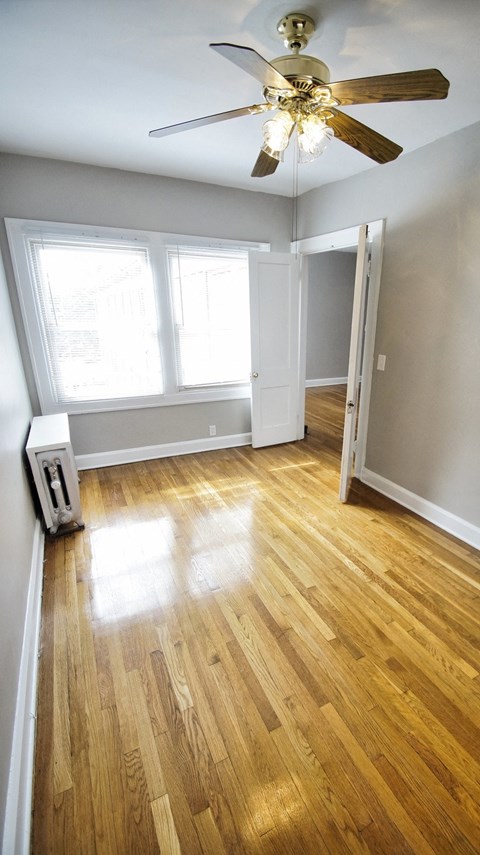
[299, 88]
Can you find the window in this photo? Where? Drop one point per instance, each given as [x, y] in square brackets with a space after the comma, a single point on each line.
[211, 315]
[126, 319]
[97, 318]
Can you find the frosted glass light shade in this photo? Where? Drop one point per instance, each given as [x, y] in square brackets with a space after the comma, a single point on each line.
[313, 137]
[276, 131]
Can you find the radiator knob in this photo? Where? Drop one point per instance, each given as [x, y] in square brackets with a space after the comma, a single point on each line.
[55, 485]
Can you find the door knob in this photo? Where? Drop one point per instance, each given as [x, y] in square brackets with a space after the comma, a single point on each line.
[255, 375]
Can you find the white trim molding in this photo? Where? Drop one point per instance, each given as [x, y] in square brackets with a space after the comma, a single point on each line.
[349, 239]
[326, 381]
[18, 812]
[169, 449]
[345, 238]
[445, 520]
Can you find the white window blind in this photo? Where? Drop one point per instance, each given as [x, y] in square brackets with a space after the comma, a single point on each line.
[98, 319]
[210, 298]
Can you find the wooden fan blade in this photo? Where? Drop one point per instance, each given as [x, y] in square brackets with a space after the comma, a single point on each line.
[251, 62]
[426, 85]
[265, 164]
[364, 139]
[210, 120]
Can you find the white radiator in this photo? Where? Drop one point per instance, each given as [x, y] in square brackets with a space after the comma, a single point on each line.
[54, 471]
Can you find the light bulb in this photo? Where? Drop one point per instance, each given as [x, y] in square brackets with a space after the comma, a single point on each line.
[276, 131]
[313, 137]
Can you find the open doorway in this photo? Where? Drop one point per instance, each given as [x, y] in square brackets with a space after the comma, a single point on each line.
[331, 280]
[367, 243]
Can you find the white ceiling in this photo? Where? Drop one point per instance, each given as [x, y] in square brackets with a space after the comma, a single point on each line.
[85, 80]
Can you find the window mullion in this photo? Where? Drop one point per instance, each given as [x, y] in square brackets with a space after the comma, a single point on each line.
[166, 334]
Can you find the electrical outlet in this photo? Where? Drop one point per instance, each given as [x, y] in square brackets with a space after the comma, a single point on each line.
[213, 430]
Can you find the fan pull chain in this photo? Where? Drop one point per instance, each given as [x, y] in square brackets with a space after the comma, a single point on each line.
[295, 195]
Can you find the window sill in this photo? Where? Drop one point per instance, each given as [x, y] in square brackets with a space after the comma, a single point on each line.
[203, 396]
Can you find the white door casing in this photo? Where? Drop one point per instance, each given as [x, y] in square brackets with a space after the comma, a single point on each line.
[347, 238]
[354, 364]
[274, 333]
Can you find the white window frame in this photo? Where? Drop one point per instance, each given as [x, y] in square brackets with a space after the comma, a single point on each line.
[20, 230]
[178, 256]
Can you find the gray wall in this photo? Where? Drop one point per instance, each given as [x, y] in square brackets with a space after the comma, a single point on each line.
[424, 426]
[53, 190]
[331, 280]
[114, 431]
[17, 522]
[425, 408]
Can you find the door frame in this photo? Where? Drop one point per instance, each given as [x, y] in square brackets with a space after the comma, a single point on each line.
[330, 242]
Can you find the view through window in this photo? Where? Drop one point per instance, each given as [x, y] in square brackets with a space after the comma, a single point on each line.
[98, 320]
[211, 315]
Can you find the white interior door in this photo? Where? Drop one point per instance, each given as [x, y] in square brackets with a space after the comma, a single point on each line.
[354, 364]
[274, 319]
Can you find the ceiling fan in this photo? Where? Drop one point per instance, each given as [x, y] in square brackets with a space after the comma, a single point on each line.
[298, 87]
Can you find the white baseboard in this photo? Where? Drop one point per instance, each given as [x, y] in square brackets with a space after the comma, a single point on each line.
[326, 381]
[18, 811]
[152, 452]
[445, 520]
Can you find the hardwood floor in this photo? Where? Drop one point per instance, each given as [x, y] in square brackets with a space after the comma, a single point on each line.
[232, 661]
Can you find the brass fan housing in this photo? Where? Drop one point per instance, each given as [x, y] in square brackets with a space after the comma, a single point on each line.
[304, 72]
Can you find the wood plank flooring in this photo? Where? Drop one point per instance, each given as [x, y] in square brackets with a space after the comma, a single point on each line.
[234, 662]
